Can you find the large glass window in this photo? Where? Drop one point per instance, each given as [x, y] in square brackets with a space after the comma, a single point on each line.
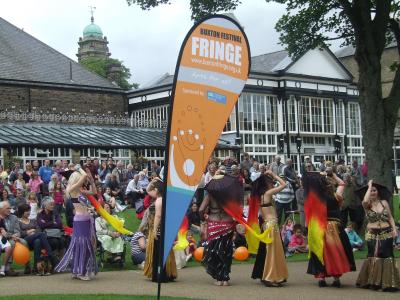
[305, 121]
[328, 116]
[231, 122]
[292, 115]
[256, 113]
[316, 115]
[259, 112]
[354, 126]
[260, 139]
[245, 115]
[339, 116]
[272, 114]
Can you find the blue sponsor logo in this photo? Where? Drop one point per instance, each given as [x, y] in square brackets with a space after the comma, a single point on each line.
[213, 96]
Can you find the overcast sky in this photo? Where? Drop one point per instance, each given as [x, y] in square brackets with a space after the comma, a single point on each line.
[147, 41]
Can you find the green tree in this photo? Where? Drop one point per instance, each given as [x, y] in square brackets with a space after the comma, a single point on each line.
[368, 25]
[101, 65]
[199, 8]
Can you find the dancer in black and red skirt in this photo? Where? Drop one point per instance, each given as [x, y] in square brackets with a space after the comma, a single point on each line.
[218, 249]
[331, 254]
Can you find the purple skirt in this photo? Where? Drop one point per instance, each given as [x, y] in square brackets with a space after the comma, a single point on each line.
[80, 257]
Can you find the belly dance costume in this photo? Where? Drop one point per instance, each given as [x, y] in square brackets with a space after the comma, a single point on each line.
[80, 256]
[218, 249]
[379, 270]
[337, 252]
[153, 249]
[270, 265]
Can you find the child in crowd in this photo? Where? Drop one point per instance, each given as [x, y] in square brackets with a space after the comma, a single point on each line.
[5, 247]
[34, 185]
[297, 242]
[20, 184]
[108, 198]
[182, 256]
[33, 203]
[355, 241]
[58, 196]
[397, 240]
[287, 231]
[192, 245]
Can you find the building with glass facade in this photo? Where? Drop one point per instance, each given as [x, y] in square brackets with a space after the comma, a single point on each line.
[314, 94]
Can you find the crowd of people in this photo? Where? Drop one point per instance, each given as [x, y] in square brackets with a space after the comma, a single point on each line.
[38, 206]
[41, 203]
[351, 211]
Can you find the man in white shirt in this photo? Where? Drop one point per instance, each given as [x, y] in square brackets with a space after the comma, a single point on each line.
[258, 170]
[134, 191]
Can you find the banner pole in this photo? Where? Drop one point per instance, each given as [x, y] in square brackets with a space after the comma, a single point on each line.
[160, 263]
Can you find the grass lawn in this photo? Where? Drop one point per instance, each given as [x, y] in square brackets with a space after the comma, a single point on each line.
[87, 297]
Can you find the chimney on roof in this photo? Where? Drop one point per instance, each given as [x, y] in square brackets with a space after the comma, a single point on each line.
[113, 72]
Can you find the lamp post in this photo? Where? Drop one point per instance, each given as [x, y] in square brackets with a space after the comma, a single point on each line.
[346, 144]
[337, 142]
[298, 137]
[286, 99]
[238, 140]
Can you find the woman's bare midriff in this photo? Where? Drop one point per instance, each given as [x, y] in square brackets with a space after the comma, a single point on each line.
[80, 209]
[378, 225]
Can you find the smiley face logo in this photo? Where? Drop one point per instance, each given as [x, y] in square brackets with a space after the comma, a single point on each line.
[187, 149]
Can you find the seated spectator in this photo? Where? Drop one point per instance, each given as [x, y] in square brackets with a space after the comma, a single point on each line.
[138, 246]
[50, 223]
[99, 194]
[287, 231]
[397, 240]
[140, 212]
[194, 218]
[143, 181]
[109, 238]
[20, 184]
[5, 247]
[297, 242]
[133, 192]
[109, 198]
[6, 196]
[355, 241]
[115, 187]
[10, 233]
[192, 244]
[33, 203]
[19, 198]
[36, 240]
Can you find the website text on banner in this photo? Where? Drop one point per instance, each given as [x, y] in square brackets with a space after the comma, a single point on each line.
[211, 72]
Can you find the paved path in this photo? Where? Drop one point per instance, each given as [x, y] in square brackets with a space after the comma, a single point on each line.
[194, 282]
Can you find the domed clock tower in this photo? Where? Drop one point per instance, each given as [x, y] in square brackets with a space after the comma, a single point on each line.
[92, 44]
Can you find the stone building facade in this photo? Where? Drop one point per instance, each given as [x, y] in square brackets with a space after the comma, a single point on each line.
[389, 56]
[48, 99]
